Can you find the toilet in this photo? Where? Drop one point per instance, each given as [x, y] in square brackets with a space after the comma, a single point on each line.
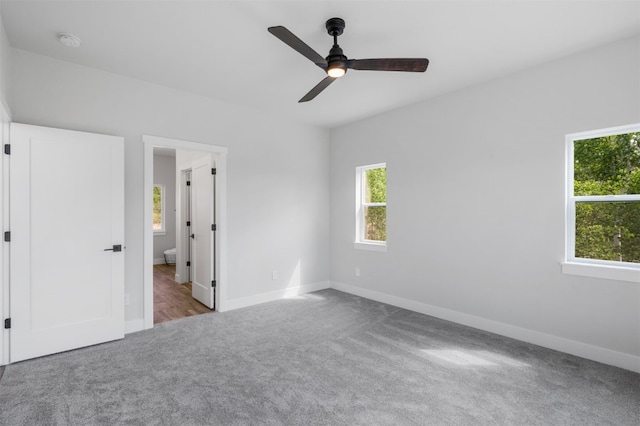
[170, 256]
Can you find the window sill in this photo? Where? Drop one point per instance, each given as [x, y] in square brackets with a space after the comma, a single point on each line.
[159, 233]
[610, 272]
[371, 246]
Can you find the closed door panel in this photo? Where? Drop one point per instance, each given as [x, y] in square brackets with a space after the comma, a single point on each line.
[67, 216]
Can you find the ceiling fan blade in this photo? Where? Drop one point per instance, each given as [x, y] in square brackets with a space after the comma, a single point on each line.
[316, 90]
[298, 45]
[389, 64]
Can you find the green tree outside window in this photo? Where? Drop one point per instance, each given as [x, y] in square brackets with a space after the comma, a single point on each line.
[607, 166]
[158, 220]
[375, 216]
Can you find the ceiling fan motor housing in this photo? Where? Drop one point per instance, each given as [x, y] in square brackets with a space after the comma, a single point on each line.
[336, 58]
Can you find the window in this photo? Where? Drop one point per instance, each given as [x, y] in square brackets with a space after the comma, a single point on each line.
[158, 210]
[371, 207]
[603, 203]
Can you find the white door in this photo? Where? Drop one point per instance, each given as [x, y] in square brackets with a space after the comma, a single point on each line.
[67, 224]
[202, 220]
[187, 209]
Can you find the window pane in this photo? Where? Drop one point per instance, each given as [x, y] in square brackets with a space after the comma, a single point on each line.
[375, 223]
[157, 208]
[607, 165]
[376, 186]
[608, 231]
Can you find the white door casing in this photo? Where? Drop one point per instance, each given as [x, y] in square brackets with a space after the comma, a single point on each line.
[220, 153]
[67, 214]
[203, 241]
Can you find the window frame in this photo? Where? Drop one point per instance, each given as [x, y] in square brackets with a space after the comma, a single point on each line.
[163, 229]
[360, 242]
[596, 268]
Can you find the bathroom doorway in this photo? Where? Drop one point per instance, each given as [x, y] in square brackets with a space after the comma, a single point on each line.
[172, 292]
[189, 155]
[177, 238]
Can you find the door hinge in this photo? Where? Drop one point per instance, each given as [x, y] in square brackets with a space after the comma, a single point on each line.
[214, 227]
[7, 323]
[213, 171]
[188, 183]
[213, 283]
[188, 263]
[7, 149]
[188, 223]
[7, 237]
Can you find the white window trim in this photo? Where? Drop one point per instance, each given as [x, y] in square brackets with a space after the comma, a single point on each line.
[163, 230]
[621, 271]
[360, 242]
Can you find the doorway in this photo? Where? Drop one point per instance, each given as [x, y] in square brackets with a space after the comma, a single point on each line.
[185, 236]
[172, 292]
[183, 233]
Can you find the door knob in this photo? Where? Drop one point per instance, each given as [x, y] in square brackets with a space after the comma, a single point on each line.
[117, 247]
[193, 236]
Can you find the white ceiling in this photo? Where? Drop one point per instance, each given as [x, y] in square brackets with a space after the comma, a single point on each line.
[222, 50]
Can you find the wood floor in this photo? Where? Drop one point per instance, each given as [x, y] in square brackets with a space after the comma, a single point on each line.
[170, 299]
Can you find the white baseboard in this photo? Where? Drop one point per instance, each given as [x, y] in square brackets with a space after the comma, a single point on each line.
[594, 353]
[133, 326]
[158, 261]
[244, 302]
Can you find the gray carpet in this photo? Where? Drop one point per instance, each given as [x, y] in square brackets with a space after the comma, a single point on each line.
[325, 358]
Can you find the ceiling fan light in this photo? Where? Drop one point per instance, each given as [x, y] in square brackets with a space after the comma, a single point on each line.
[336, 72]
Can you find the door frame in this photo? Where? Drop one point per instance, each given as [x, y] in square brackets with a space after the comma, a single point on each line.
[221, 218]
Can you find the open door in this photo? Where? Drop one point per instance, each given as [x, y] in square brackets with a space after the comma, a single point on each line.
[67, 240]
[203, 228]
[187, 207]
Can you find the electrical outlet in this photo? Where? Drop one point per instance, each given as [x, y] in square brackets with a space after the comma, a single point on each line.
[274, 275]
[357, 272]
[126, 299]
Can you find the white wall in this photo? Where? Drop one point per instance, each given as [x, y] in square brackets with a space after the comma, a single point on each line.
[476, 204]
[277, 181]
[185, 158]
[164, 173]
[5, 67]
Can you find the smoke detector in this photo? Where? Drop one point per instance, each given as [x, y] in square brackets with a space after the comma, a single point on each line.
[69, 40]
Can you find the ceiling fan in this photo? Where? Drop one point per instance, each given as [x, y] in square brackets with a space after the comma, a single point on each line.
[336, 64]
